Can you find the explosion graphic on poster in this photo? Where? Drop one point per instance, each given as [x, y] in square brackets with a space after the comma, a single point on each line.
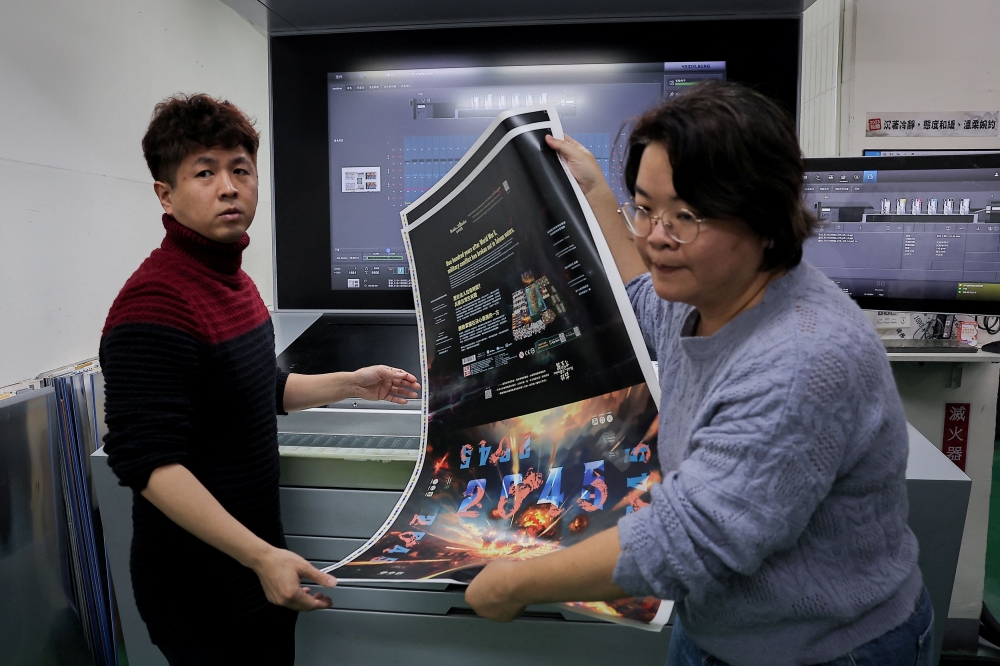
[522, 487]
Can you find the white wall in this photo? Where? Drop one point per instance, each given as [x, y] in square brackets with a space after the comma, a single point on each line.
[78, 82]
[897, 55]
[819, 127]
[924, 55]
[910, 55]
[929, 55]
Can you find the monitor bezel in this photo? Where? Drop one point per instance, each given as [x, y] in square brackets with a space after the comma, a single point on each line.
[984, 160]
[760, 52]
[935, 151]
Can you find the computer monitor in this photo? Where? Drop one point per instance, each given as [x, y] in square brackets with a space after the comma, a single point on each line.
[364, 123]
[918, 234]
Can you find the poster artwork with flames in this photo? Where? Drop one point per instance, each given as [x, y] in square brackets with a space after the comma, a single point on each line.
[540, 410]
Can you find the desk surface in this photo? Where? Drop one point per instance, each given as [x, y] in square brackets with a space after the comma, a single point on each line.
[945, 357]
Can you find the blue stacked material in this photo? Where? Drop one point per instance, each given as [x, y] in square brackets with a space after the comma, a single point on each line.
[78, 394]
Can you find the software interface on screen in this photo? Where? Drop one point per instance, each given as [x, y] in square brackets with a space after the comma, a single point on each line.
[925, 234]
[394, 134]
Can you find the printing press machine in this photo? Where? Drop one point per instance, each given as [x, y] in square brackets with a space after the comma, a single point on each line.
[344, 466]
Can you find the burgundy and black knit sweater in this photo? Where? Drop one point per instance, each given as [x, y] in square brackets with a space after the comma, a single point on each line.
[190, 378]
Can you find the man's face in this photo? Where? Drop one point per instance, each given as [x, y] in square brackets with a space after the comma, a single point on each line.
[215, 194]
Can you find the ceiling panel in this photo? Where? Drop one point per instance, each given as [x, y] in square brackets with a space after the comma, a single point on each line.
[264, 19]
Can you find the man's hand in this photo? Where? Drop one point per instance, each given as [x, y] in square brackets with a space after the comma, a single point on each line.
[380, 382]
[281, 572]
[175, 491]
[491, 594]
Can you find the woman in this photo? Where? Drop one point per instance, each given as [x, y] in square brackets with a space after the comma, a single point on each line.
[780, 525]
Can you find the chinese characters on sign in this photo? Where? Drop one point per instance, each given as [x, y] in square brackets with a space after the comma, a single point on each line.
[932, 123]
[955, 441]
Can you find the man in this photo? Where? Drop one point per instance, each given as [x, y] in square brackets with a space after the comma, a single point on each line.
[192, 389]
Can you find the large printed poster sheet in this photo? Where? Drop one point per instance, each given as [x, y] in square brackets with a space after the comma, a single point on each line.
[540, 411]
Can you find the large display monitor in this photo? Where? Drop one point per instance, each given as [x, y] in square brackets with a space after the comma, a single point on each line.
[918, 234]
[395, 133]
[364, 123]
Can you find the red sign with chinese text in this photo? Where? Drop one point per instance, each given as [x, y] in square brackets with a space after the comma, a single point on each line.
[955, 441]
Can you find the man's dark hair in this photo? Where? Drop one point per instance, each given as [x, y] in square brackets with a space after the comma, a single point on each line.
[184, 123]
[734, 154]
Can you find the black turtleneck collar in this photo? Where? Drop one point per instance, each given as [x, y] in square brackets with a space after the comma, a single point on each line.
[222, 257]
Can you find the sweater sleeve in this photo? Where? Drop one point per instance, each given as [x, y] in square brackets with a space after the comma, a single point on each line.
[280, 392]
[150, 373]
[768, 454]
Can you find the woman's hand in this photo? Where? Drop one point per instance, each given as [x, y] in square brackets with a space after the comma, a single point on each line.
[380, 382]
[281, 572]
[582, 164]
[582, 572]
[491, 594]
[602, 201]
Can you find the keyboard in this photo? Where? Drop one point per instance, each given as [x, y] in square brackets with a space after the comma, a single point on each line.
[927, 346]
[348, 447]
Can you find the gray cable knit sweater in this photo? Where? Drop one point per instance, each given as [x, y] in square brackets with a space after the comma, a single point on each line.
[780, 525]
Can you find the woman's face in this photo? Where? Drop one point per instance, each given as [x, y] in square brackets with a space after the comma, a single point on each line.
[714, 270]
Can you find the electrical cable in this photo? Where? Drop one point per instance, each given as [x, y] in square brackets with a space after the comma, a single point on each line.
[985, 325]
[929, 330]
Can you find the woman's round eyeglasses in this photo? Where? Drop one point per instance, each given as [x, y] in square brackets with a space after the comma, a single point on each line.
[682, 225]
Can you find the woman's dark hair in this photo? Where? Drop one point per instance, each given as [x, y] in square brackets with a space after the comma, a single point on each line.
[183, 123]
[734, 154]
